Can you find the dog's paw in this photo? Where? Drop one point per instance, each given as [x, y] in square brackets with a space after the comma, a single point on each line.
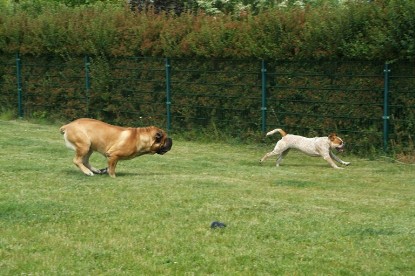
[346, 163]
[103, 171]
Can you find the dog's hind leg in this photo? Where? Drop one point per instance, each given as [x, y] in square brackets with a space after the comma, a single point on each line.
[281, 157]
[275, 153]
[79, 159]
[280, 148]
[268, 155]
[85, 161]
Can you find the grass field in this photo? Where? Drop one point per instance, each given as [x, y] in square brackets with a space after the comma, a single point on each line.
[302, 218]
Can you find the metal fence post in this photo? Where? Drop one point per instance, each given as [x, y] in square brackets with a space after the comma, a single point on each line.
[168, 101]
[386, 117]
[264, 95]
[87, 82]
[19, 85]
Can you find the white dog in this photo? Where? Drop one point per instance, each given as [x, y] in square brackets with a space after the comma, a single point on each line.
[318, 146]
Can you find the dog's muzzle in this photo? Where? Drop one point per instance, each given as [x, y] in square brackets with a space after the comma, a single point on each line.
[341, 147]
[166, 147]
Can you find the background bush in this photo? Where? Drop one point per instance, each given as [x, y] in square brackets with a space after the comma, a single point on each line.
[375, 30]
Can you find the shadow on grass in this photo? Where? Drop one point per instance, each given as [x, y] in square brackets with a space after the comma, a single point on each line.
[296, 183]
[298, 165]
[75, 172]
[369, 232]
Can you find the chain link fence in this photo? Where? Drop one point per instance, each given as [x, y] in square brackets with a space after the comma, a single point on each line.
[371, 105]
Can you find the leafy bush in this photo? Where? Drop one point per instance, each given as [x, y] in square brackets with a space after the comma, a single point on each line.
[376, 30]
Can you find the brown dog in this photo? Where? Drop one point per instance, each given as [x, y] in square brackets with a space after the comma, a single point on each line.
[85, 136]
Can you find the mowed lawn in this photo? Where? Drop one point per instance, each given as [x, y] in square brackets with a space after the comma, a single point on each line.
[303, 218]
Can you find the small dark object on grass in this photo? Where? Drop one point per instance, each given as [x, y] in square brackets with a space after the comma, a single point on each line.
[217, 224]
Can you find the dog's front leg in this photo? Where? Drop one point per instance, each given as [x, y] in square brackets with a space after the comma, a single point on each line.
[331, 162]
[332, 155]
[112, 163]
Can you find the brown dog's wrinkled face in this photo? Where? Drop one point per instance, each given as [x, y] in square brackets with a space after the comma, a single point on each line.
[162, 143]
[336, 142]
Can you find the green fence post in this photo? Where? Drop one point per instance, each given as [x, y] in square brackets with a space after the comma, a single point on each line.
[385, 117]
[168, 101]
[264, 95]
[87, 83]
[19, 85]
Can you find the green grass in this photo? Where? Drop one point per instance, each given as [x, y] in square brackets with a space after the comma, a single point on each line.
[301, 218]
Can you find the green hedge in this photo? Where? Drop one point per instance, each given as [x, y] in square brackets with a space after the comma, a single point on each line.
[365, 30]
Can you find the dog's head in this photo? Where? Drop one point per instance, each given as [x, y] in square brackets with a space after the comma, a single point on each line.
[162, 143]
[336, 142]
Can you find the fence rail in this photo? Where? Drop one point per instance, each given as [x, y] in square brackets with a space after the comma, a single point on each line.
[371, 104]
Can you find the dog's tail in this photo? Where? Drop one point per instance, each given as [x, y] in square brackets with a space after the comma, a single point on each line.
[282, 132]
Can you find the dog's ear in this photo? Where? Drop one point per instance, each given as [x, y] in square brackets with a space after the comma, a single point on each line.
[158, 136]
[332, 136]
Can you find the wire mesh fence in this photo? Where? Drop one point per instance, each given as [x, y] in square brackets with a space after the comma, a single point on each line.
[372, 105]
[321, 97]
